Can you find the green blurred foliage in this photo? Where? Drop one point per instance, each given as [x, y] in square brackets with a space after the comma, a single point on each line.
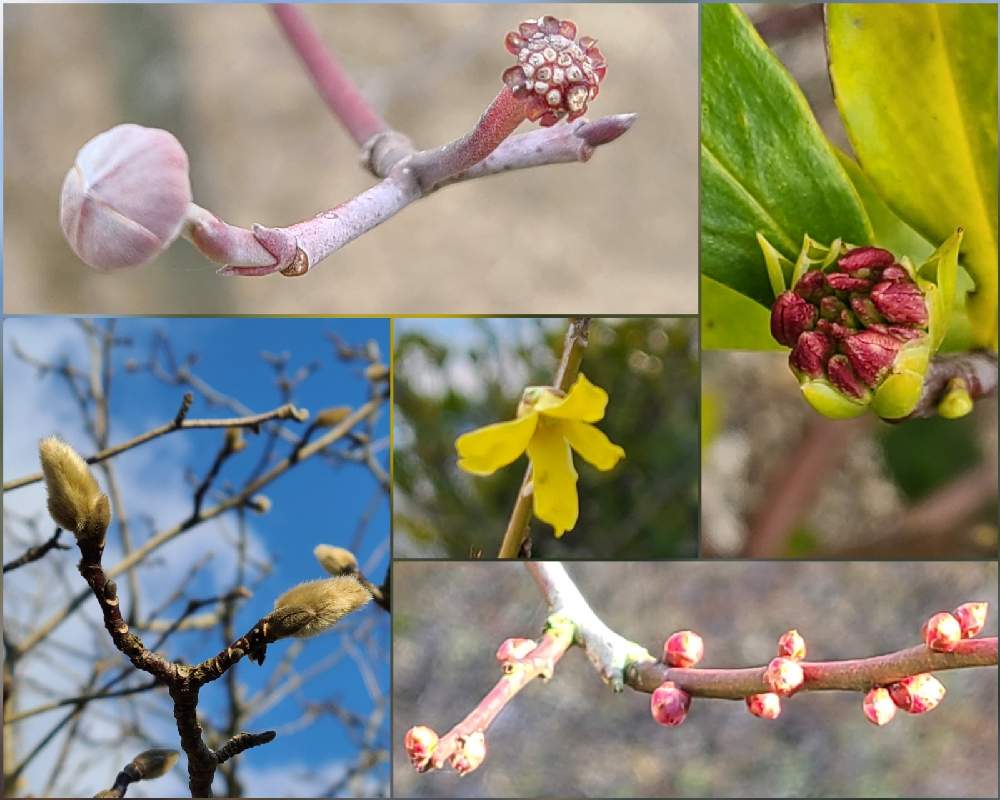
[446, 385]
[925, 454]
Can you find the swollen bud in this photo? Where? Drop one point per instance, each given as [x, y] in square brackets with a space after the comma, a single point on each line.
[515, 649]
[971, 617]
[917, 694]
[683, 649]
[316, 606]
[75, 502]
[126, 197]
[470, 753]
[336, 560]
[153, 763]
[942, 632]
[669, 704]
[784, 676]
[878, 706]
[792, 645]
[330, 417]
[420, 743]
[766, 705]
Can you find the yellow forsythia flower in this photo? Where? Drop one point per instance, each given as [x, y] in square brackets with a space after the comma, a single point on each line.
[548, 425]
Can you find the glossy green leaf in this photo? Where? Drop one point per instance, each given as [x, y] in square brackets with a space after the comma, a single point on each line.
[732, 321]
[917, 88]
[765, 164]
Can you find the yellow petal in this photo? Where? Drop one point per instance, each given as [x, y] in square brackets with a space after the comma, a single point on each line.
[485, 450]
[553, 478]
[592, 444]
[584, 402]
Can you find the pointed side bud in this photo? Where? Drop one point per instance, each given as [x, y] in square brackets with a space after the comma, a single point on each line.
[942, 632]
[669, 704]
[878, 706]
[420, 742]
[766, 705]
[792, 645]
[683, 649]
[784, 676]
[972, 618]
[470, 753]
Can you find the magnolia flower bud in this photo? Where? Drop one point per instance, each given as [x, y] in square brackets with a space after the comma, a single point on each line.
[329, 417]
[126, 197]
[316, 606]
[76, 503]
[335, 560]
[515, 649]
[792, 645]
[878, 706]
[376, 372]
[972, 618]
[669, 704]
[153, 763]
[683, 649]
[234, 441]
[470, 753]
[942, 632]
[784, 676]
[917, 694]
[420, 743]
[766, 705]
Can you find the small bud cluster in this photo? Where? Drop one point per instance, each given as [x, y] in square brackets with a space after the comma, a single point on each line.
[918, 694]
[555, 75]
[783, 675]
[669, 703]
[848, 324]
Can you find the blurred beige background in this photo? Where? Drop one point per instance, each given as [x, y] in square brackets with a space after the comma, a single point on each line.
[573, 737]
[616, 235]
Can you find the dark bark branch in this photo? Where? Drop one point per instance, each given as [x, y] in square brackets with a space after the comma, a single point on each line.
[37, 552]
[241, 742]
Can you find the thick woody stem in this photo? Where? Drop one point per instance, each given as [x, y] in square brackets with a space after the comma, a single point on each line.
[854, 675]
[518, 673]
[576, 341]
[332, 81]
[978, 370]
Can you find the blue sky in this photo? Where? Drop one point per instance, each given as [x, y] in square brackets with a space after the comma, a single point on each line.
[314, 503]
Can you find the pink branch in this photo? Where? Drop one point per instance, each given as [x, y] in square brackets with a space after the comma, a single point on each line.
[854, 675]
[334, 84]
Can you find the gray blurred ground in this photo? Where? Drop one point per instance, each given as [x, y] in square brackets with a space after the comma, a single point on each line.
[617, 235]
[574, 738]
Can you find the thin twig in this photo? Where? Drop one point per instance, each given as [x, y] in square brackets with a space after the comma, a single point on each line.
[37, 552]
[569, 366]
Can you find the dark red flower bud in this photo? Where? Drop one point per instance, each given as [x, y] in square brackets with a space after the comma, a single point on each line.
[842, 282]
[791, 316]
[895, 273]
[810, 354]
[838, 370]
[871, 354]
[811, 286]
[865, 258]
[900, 302]
[865, 310]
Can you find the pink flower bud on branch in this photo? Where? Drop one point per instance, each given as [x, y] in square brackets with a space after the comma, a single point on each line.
[669, 704]
[765, 705]
[878, 706]
[784, 676]
[683, 649]
[972, 618]
[917, 694]
[420, 743]
[792, 645]
[942, 632]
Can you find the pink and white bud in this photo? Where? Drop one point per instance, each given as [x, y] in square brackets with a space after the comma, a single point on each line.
[470, 754]
[942, 632]
[972, 618]
[126, 197]
[420, 743]
[669, 704]
[515, 649]
[917, 694]
[683, 649]
[878, 706]
[792, 645]
[784, 676]
[766, 705]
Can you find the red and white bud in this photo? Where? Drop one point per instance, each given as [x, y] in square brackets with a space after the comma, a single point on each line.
[942, 632]
[766, 705]
[972, 618]
[126, 197]
[792, 645]
[420, 743]
[878, 706]
[470, 753]
[683, 649]
[669, 704]
[784, 676]
[515, 649]
[917, 694]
